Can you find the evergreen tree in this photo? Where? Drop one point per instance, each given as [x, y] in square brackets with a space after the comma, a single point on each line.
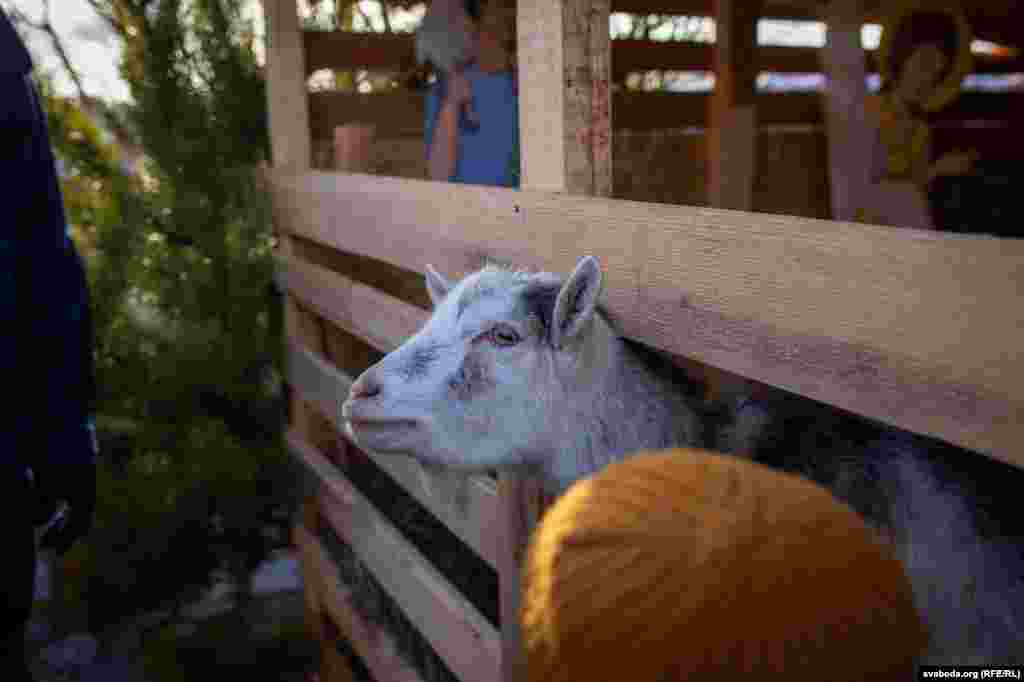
[188, 323]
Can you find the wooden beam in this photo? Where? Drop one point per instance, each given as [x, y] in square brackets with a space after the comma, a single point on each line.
[372, 643]
[850, 136]
[287, 103]
[394, 113]
[862, 317]
[312, 611]
[302, 422]
[334, 666]
[524, 505]
[564, 96]
[732, 113]
[400, 114]
[565, 123]
[349, 50]
[772, 8]
[468, 643]
[380, 320]
[394, 52]
[1000, 21]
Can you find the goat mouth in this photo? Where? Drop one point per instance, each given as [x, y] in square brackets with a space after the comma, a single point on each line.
[385, 435]
[378, 423]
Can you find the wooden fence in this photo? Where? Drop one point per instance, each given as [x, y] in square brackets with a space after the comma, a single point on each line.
[918, 330]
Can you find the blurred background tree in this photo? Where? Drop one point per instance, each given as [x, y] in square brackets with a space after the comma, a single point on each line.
[163, 198]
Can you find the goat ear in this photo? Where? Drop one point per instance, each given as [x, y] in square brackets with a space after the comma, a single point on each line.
[437, 285]
[577, 301]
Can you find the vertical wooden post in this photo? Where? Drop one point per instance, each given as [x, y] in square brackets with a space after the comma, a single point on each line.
[522, 506]
[848, 130]
[287, 99]
[288, 108]
[732, 112]
[564, 56]
[565, 120]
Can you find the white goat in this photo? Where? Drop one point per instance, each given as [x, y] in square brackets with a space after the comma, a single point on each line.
[518, 370]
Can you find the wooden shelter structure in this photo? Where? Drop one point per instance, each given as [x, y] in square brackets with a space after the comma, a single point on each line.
[915, 329]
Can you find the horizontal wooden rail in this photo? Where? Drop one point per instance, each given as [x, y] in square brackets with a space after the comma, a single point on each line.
[785, 9]
[997, 20]
[469, 644]
[374, 645]
[396, 52]
[312, 588]
[383, 321]
[401, 113]
[468, 506]
[917, 329]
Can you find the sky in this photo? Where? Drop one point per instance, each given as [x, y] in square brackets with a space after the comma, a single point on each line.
[92, 46]
[94, 49]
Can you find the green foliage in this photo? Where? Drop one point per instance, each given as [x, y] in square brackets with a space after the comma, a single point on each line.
[188, 326]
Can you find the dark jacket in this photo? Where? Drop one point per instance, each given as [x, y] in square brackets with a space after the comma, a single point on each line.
[46, 356]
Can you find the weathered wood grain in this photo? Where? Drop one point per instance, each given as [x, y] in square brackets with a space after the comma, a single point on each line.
[383, 321]
[732, 107]
[470, 645]
[916, 329]
[850, 136]
[1000, 21]
[373, 645]
[396, 52]
[400, 114]
[286, 86]
[522, 503]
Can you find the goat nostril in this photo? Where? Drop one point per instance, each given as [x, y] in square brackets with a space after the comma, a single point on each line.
[364, 387]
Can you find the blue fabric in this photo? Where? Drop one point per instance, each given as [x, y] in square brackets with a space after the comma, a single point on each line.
[14, 58]
[488, 154]
[45, 320]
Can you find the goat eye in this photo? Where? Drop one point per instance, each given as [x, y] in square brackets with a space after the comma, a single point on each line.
[503, 335]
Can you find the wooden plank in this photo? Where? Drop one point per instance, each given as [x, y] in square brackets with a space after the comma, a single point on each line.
[652, 110]
[395, 114]
[334, 666]
[468, 506]
[522, 503]
[732, 107]
[467, 642]
[286, 86]
[310, 586]
[564, 96]
[298, 325]
[381, 320]
[402, 284]
[565, 121]
[917, 329]
[542, 95]
[394, 52]
[350, 50]
[999, 21]
[401, 114]
[374, 645]
[970, 106]
[785, 9]
[850, 136]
